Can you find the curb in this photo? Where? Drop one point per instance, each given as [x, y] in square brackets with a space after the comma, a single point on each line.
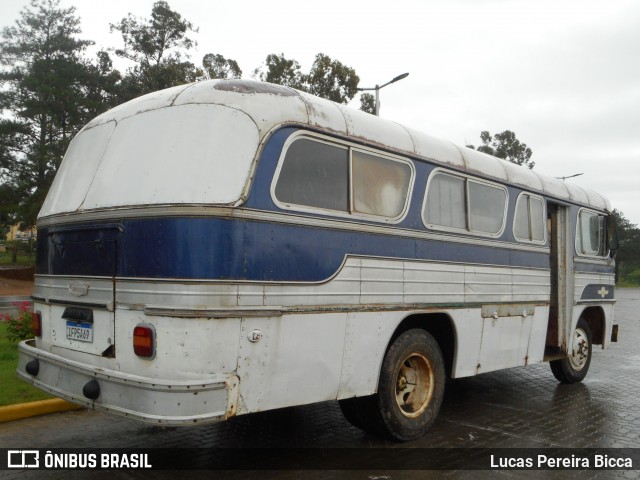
[33, 409]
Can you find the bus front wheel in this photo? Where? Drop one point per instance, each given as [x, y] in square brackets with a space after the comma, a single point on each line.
[575, 367]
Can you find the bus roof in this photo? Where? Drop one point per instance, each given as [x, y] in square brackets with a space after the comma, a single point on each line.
[270, 106]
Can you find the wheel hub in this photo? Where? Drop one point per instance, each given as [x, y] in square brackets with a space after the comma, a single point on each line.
[580, 352]
[414, 385]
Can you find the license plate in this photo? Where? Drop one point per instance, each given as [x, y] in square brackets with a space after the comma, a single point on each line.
[83, 332]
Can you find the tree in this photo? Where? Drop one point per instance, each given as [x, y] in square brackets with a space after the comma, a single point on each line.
[44, 99]
[505, 145]
[216, 66]
[368, 103]
[8, 208]
[102, 85]
[155, 45]
[282, 71]
[327, 78]
[628, 253]
[332, 80]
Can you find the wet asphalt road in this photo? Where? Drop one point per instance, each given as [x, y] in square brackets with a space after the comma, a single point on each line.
[518, 408]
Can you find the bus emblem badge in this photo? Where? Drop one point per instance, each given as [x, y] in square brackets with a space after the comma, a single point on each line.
[79, 289]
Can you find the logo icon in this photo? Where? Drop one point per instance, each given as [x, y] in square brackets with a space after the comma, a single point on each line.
[23, 459]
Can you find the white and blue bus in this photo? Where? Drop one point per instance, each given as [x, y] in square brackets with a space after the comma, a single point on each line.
[229, 247]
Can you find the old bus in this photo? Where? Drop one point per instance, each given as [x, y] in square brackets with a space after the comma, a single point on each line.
[229, 247]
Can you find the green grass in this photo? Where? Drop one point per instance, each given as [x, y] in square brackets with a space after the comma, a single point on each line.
[12, 389]
[23, 259]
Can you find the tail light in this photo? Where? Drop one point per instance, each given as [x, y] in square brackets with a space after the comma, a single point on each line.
[144, 340]
[36, 323]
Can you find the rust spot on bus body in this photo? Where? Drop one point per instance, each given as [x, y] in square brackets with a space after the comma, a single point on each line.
[252, 87]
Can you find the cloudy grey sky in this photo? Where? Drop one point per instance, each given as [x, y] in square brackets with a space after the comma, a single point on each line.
[563, 75]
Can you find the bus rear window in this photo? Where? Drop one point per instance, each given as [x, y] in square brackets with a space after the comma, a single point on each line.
[185, 154]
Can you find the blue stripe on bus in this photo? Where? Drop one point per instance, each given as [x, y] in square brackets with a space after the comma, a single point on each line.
[593, 268]
[236, 249]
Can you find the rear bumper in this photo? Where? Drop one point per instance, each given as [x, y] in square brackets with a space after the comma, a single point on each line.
[150, 400]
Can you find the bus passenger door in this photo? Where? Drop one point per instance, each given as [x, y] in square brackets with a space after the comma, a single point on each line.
[561, 281]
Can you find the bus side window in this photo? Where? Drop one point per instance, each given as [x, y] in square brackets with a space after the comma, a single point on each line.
[529, 223]
[590, 234]
[486, 207]
[380, 186]
[457, 202]
[344, 179]
[446, 202]
[315, 174]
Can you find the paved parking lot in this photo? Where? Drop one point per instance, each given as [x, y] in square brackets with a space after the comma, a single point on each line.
[517, 408]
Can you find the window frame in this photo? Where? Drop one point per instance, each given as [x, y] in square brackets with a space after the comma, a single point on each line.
[350, 147]
[544, 219]
[603, 239]
[467, 230]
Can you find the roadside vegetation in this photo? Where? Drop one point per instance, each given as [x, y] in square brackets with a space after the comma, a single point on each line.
[22, 259]
[13, 389]
[17, 253]
[628, 255]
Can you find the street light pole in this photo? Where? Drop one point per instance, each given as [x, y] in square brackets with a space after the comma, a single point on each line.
[378, 87]
[570, 176]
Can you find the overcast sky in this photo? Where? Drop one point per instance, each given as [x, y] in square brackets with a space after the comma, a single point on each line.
[563, 75]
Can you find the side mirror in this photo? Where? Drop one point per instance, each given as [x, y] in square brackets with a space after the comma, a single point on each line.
[612, 234]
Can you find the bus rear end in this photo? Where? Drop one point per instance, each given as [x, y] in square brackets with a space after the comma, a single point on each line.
[140, 200]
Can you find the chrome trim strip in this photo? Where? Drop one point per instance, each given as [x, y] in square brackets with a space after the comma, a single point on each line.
[594, 301]
[412, 308]
[54, 289]
[605, 261]
[160, 311]
[55, 301]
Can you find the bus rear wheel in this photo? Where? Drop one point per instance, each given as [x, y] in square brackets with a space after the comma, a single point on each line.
[410, 389]
[575, 367]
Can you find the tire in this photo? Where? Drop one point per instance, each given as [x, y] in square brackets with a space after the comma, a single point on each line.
[362, 413]
[574, 368]
[410, 389]
[350, 411]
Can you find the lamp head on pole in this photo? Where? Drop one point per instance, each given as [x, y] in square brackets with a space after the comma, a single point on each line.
[400, 77]
[378, 87]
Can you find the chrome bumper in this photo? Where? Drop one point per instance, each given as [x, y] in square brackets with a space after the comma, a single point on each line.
[146, 399]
